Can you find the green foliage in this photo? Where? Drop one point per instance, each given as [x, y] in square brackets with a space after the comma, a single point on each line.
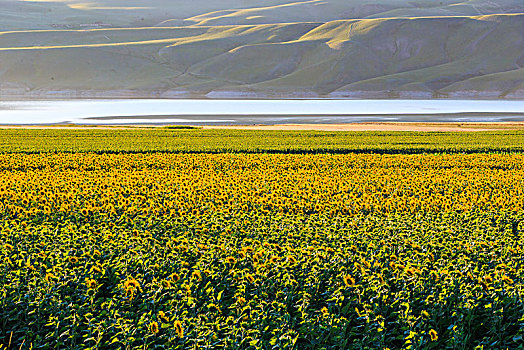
[260, 251]
[216, 141]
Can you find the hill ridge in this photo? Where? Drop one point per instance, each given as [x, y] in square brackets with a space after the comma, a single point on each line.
[471, 49]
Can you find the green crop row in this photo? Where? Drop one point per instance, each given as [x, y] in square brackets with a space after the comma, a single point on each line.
[216, 141]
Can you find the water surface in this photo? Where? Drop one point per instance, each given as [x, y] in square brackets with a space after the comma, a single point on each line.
[198, 112]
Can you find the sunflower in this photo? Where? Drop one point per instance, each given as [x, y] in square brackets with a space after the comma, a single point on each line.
[349, 281]
[166, 284]
[197, 275]
[231, 260]
[49, 276]
[366, 263]
[400, 267]
[162, 316]
[213, 306]
[507, 279]
[131, 286]
[179, 329]
[96, 269]
[291, 259]
[73, 259]
[433, 335]
[175, 277]
[133, 283]
[90, 283]
[274, 259]
[153, 327]
[411, 271]
[250, 278]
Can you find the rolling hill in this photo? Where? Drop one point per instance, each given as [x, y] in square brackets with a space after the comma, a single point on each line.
[263, 48]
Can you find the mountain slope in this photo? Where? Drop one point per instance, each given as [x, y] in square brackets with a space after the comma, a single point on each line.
[273, 48]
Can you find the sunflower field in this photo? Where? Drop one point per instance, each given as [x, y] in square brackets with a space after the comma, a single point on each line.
[163, 250]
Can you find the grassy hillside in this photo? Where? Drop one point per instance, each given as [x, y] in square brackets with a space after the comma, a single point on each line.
[334, 48]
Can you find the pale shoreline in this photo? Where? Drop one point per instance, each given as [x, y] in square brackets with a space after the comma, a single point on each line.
[22, 94]
[366, 126]
[383, 126]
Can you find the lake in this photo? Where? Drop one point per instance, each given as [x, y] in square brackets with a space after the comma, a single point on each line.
[242, 112]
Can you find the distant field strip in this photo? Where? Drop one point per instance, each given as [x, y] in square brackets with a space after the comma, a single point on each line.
[251, 141]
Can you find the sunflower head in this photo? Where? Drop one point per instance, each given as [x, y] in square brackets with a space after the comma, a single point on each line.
[49, 276]
[90, 283]
[153, 327]
[162, 316]
[166, 284]
[349, 281]
[131, 286]
[179, 329]
[197, 275]
[175, 277]
[506, 279]
[231, 260]
[291, 259]
[250, 278]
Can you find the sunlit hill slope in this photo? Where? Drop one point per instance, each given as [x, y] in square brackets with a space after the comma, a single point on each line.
[263, 48]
